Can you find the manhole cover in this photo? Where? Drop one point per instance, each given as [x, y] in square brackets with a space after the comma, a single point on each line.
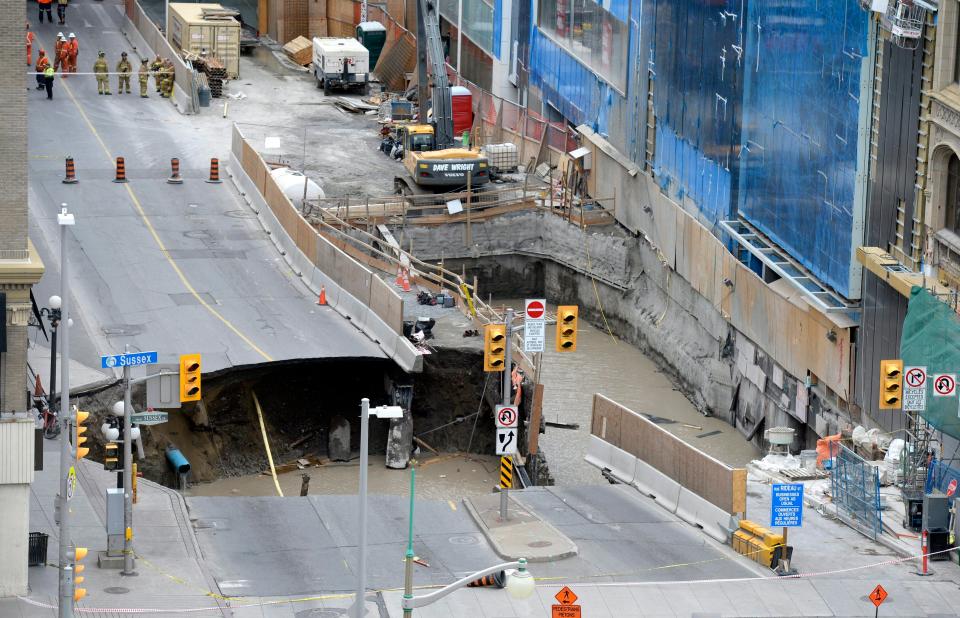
[241, 214]
[321, 612]
[463, 540]
[539, 544]
[116, 590]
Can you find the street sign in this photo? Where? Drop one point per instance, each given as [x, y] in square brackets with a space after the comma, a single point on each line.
[534, 325]
[878, 596]
[944, 385]
[952, 488]
[128, 360]
[506, 416]
[149, 418]
[506, 472]
[506, 441]
[566, 596]
[786, 505]
[535, 308]
[567, 607]
[914, 389]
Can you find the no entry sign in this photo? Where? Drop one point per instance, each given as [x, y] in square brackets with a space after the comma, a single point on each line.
[535, 308]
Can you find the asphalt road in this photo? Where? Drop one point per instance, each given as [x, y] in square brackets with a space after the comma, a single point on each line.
[293, 546]
[172, 268]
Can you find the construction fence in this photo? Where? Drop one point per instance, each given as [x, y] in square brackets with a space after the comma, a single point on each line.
[856, 490]
[681, 478]
[184, 80]
[351, 288]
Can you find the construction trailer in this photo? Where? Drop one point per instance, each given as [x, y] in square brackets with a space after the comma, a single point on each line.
[206, 30]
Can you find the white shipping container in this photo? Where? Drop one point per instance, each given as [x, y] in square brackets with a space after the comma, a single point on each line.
[187, 30]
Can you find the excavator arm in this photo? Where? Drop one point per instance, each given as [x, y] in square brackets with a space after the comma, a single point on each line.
[430, 51]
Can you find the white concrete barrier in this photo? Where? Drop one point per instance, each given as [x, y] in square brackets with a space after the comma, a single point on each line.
[622, 466]
[697, 511]
[651, 482]
[598, 453]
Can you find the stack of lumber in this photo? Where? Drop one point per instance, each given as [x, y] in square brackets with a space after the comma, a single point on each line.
[300, 50]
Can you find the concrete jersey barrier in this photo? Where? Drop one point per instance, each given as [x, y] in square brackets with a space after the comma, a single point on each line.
[351, 289]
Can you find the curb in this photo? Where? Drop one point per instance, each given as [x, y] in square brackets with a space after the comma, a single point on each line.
[498, 549]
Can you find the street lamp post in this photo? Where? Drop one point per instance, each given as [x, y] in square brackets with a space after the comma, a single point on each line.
[379, 412]
[53, 314]
[65, 583]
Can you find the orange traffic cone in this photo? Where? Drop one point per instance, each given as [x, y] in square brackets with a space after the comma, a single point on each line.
[323, 296]
[399, 279]
[497, 579]
[406, 279]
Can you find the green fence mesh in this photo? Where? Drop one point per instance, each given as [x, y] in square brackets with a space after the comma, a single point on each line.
[931, 339]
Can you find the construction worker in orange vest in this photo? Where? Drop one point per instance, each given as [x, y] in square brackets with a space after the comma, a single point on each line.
[73, 51]
[45, 6]
[42, 63]
[30, 37]
[57, 49]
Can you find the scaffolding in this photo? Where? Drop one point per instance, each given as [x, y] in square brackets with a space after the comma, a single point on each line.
[856, 490]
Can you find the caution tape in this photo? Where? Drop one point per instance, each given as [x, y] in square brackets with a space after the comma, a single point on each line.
[238, 602]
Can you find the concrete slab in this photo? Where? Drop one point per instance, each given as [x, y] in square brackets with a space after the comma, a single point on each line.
[522, 535]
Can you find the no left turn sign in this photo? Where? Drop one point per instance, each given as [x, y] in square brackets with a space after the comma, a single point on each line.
[944, 385]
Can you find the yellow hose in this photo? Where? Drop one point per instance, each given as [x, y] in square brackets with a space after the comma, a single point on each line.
[266, 445]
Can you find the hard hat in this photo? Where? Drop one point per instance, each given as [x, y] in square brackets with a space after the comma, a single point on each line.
[143, 61]
[100, 53]
[73, 36]
[59, 35]
[123, 54]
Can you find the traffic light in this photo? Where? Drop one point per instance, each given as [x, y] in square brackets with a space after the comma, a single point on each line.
[190, 377]
[111, 459]
[78, 438]
[494, 347]
[891, 384]
[566, 340]
[74, 556]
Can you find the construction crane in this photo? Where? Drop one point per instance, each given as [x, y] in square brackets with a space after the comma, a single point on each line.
[432, 160]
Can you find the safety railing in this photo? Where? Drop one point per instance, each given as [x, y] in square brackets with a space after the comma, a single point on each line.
[856, 490]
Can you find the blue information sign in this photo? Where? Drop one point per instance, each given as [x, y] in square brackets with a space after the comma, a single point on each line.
[128, 360]
[786, 505]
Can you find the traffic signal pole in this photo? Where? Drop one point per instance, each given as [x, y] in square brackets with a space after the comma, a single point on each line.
[65, 583]
[507, 382]
[127, 474]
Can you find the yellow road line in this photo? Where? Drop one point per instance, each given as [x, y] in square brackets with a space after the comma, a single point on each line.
[156, 237]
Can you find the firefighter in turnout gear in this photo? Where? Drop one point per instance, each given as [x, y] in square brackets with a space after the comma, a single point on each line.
[101, 70]
[124, 69]
[144, 76]
[155, 70]
[166, 84]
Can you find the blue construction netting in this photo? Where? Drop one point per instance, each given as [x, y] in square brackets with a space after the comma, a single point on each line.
[802, 84]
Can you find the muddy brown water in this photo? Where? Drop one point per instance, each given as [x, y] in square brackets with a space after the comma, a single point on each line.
[606, 365]
[447, 477]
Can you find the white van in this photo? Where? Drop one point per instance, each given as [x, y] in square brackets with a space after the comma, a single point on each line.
[340, 63]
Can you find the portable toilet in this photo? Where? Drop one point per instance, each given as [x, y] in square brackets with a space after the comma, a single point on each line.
[373, 36]
[462, 103]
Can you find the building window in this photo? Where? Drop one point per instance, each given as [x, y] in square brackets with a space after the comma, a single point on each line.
[952, 218]
[956, 45]
[591, 33]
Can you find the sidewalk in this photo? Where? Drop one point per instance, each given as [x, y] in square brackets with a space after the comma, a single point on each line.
[82, 378]
[162, 535]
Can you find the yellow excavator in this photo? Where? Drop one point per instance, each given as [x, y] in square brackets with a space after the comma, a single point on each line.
[432, 161]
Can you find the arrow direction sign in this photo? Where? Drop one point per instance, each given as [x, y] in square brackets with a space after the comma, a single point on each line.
[914, 389]
[506, 441]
